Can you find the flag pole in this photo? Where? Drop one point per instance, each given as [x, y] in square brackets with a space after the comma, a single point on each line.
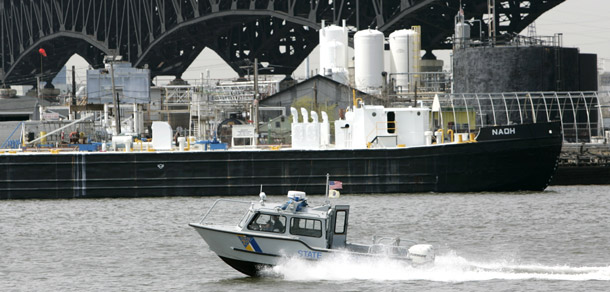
[327, 200]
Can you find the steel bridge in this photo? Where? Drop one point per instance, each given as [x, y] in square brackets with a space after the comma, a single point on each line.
[167, 35]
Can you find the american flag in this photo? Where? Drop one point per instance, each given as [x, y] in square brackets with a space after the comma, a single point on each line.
[335, 185]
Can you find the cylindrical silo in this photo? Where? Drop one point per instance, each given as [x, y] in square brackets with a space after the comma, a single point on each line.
[368, 60]
[332, 56]
[536, 68]
[334, 52]
[333, 38]
[404, 57]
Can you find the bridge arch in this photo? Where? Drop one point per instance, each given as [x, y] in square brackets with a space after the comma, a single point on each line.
[145, 32]
[56, 59]
[210, 40]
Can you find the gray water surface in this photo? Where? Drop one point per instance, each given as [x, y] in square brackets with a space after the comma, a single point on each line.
[557, 240]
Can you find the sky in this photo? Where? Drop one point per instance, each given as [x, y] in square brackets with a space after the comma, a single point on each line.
[585, 24]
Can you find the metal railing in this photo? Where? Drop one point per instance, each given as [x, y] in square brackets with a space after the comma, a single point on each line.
[224, 213]
[581, 114]
[420, 82]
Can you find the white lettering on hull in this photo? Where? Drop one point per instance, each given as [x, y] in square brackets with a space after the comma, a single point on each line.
[504, 131]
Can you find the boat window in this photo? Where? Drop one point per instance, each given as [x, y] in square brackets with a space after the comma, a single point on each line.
[340, 222]
[269, 223]
[306, 227]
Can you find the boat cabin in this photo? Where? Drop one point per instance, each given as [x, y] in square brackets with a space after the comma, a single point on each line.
[376, 126]
[320, 227]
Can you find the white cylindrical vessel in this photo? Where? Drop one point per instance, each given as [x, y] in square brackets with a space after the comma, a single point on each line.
[368, 60]
[334, 53]
[181, 143]
[428, 135]
[333, 48]
[404, 57]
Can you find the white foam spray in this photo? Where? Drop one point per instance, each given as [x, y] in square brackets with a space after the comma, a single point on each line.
[447, 268]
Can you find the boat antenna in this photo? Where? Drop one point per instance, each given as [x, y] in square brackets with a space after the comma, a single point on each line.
[327, 201]
[263, 196]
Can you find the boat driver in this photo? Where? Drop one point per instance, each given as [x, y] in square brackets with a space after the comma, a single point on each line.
[274, 224]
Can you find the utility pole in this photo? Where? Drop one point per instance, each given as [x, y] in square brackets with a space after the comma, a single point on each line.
[73, 86]
[255, 114]
[39, 80]
[115, 97]
[38, 87]
[491, 24]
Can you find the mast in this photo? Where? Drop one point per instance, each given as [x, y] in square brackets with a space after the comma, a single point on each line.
[327, 201]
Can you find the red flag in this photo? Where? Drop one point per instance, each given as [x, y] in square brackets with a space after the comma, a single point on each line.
[42, 52]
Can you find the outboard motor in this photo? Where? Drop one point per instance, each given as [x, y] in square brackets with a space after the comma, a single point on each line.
[420, 254]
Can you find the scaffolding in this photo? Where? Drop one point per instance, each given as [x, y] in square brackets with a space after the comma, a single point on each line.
[208, 105]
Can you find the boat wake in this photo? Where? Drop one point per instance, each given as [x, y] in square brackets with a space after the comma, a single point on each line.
[447, 268]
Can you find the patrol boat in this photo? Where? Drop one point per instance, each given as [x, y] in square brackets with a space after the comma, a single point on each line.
[268, 233]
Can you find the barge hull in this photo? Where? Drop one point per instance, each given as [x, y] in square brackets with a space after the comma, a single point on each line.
[525, 161]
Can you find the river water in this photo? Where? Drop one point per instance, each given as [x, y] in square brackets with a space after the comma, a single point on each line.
[545, 241]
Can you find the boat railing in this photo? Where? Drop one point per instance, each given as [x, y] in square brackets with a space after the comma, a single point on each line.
[229, 207]
[383, 130]
[582, 114]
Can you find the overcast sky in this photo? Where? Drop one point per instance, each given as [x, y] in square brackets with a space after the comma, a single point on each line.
[584, 23]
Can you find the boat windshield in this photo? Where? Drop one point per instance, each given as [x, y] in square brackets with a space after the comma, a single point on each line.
[268, 222]
[244, 219]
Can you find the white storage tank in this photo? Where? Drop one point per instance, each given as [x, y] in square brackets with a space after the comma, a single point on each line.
[330, 55]
[368, 60]
[333, 47]
[404, 58]
[334, 52]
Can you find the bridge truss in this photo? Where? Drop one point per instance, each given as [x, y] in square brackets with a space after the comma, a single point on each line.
[167, 35]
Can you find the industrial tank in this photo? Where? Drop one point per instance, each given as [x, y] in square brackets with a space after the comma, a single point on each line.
[404, 58]
[333, 48]
[462, 35]
[331, 56]
[368, 60]
[516, 69]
